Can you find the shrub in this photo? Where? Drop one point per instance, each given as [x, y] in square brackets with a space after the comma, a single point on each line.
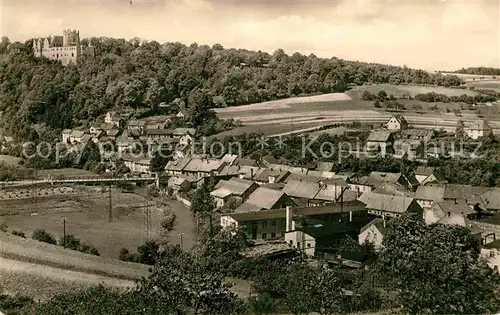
[19, 233]
[94, 251]
[168, 222]
[44, 236]
[126, 255]
[377, 104]
[3, 227]
[71, 242]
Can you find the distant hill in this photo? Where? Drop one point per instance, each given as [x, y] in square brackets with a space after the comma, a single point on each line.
[479, 71]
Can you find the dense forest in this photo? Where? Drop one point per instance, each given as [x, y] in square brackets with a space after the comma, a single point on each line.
[141, 74]
[479, 71]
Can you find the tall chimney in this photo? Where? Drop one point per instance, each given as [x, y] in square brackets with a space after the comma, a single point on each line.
[383, 218]
[350, 216]
[289, 215]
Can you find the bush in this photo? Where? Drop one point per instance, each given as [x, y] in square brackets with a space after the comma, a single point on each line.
[19, 233]
[377, 104]
[126, 255]
[168, 222]
[71, 242]
[94, 251]
[44, 236]
[4, 227]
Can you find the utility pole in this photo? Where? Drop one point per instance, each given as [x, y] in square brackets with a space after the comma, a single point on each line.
[64, 232]
[148, 222]
[110, 218]
[181, 243]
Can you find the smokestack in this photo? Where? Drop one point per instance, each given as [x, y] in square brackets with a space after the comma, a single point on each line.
[383, 218]
[289, 214]
[350, 216]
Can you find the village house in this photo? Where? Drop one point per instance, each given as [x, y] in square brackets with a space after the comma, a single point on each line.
[159, 134]
[95, 128]
[65, 135]
[270, 224]
[176, 167]
[179, 184]
[380, 141]
[325, 166]
[265, 199]
[443, 209]
[203, 167]
[137, 165]
[389, 205]
[138, 125]
[426, 175]
[318, 193]
[397, 123]
[427, 195]
[76, 136]
[112, 134]
[374, 232]
[491, 253]
[239, 189]
[478, 129]
[113, 118]
[181, 114]
[185, 135]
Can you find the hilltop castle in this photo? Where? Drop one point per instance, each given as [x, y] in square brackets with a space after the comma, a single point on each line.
[66, 48]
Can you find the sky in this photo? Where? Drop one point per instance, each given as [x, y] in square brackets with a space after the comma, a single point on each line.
[427, 34]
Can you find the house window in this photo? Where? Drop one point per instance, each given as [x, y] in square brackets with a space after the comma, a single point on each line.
[291, 242]
[273, 223]
[264, 224]
[308, 245]
[254, 225]
[492, 254]
[264, 236]
[298, 244]
[273, 235]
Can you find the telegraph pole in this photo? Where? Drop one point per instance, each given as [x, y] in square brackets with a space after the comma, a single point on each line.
[148, 223]
[64, 232]
[181, 243]
[110, 214]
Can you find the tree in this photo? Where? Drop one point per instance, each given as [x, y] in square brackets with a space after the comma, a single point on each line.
[199, 104]
[435, 269]
[376, 103]
[382, 96]
[159, 160]
[179, 284]
[202, 202]
[148, 253]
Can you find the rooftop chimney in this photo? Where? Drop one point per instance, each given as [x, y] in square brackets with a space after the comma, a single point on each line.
[289, 214]
[383, 218]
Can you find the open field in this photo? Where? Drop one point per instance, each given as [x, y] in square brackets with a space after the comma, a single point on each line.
[486, 85]
[400, 90]
[286, 103]
[68, 172]
[86, 214]
[471, 77]
[305, 114]
[43, 282]
[31, 251]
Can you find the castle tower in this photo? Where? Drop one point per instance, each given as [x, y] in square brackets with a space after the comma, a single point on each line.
[71, 38]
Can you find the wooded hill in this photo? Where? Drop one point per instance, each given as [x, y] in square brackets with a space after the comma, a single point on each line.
[143, 74]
